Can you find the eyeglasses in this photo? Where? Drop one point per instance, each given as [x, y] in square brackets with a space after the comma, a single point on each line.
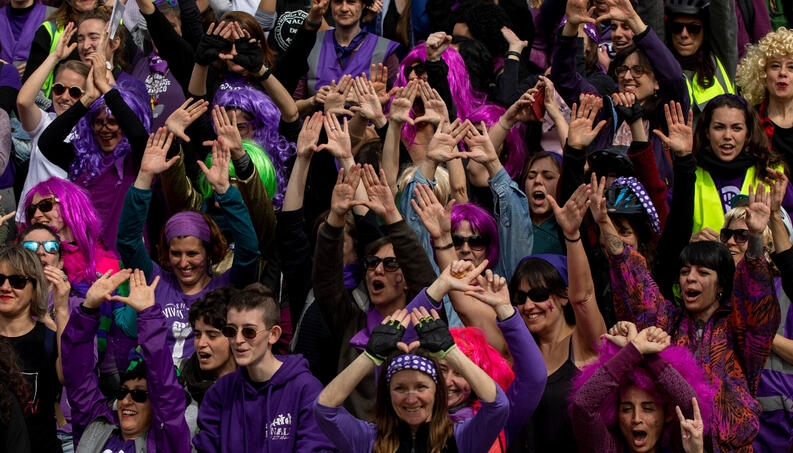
[476, 242]
[109, 123]
[75, 92]
[677, 28]
[245, 127]
[741, 235]
[418, 68]
[390, 263]
[249, 333]
[536, 295]
[51, 247]
[16, 281]
[44, 206]
[138, 396]
[636, 71]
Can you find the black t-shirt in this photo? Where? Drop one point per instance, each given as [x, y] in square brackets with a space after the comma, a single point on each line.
[783, 143]
[291, 14]
[37, 352]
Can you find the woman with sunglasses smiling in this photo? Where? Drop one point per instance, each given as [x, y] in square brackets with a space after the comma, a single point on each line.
[23, 305]
[150, 401]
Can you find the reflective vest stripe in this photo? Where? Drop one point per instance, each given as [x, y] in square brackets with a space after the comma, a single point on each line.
[55, 34]
[699, 95]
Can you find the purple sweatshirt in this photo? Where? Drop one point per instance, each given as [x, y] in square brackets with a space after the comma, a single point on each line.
[274, 416]
[476, 434]
[169, 431]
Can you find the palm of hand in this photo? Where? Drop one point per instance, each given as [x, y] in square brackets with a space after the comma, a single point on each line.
[439, 147]
[334, 100]
[370, 105]
[434, 111]
[339, 147]
[153, 160]
[229, 133]
[681, 138]
[581, 131]
[757, 215]
[217, 175]
[380, 91]
[436, 221]
[400, 109]
[380, 196]
[479, 150]
[569, 220]
[341, 198]
[178, 121]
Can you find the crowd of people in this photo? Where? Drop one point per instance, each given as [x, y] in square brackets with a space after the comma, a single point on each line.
[396, 226]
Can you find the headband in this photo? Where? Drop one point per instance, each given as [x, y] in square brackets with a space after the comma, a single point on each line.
[641, 194]
[187, 223]
[411, 362]
[559, 262]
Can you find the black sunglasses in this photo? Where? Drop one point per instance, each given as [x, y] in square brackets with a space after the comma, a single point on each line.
[418, 68]
[249, 333]
[75, 92]
[16, 281]
[138, 396]
[44, 205]
[476, 242]
[536, 295]
[390, 263]
[741, 235]
[677, 28]
[51, 247]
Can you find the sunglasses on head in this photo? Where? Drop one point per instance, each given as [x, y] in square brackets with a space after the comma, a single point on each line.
[476, 242]
[249, 333]
[390, 263]
[75, 92]
[51, 247]
[16, 281]
[741, 235]
[138, 396]
[44, 205]
[677, 28]
[536, 295]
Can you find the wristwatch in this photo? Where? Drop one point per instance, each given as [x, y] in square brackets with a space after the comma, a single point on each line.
[108, 66]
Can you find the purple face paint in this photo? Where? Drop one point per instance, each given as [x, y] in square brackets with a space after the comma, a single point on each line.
[549, 305]
[398, 279]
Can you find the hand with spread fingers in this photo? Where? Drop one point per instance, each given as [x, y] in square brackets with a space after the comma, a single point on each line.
[141, 295]
[381, 200]
[337, 96]
[480, 147]
[213, 43]
[338, 145]
[101, 289]
[218, 175]
[184, 116]
[582, 117]
[577, 13]
[378, 75]
[343, 197]
[570, 216]
[63, 49]
[493, 291]
[436, 219]
[154, 160]
[368, 102]
[309, 136]
[681, 133]
[227, 130]
[435, 111]
[443, 145]
[403, 102]
[692, 431]
[385, 338]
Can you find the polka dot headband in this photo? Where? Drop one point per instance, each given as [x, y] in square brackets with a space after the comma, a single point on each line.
[411, 362]
[643, 197]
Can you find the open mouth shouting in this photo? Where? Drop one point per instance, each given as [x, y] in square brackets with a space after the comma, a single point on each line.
[639, 438]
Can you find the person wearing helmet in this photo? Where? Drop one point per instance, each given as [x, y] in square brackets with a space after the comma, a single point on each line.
[705, 53]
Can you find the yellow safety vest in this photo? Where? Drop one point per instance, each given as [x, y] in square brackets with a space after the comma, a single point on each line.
[55, 33]
[708, 207]
[700, 96]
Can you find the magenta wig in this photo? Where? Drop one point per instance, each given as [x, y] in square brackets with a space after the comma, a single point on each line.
[89, 159]
[78, 215]
[482, 223]
[678, 358]
[472, 342]
[465, 98]
[513, 156]
[266, 118]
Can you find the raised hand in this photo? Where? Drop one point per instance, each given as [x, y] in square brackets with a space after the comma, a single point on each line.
[368, 103]
[337, 96]
[63, 49]
[154, 160]
[651, 340]
[577, 12]
[227, 130]
[91, 91]
[436, 219]
[218, 175]
[98, 63]
[582, 117]
[436, 44]
[213, 43]
[460, 275]
[433, 332]
[60, 285]
[570, 216]
[371, 11]
[322, 94]
[104, 286]
[520, 111]
[627, 107]
[141, 295]
[184, 116]
[403, 102]
[249, 53]
[705, 234]
[309, 135]
[443, 145]
[778, 188]
[378, 75]
[318, 8]
[622, 11]
[621, 333]
[493, 291]
[681, 133]
[387, 336]
[759, 210]
[381, 200]
[515, 43]
[597, 203]
[343, 197]
[692, 431]
[435, 110]
[338, 144]
[480, 148]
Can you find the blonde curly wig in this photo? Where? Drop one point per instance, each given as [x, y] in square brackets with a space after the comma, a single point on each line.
[751, 76]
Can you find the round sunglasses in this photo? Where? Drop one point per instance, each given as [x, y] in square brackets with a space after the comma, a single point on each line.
[75, 92]
[51, 247]
[249, 333]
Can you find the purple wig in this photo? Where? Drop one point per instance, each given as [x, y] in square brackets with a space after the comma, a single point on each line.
[513, 156]
[465, 98]
[78, 215]
[90, 160]
[678, 358]
[482, 223]
[266, 118]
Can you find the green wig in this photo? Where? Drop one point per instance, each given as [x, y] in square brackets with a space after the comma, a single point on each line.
[260, 160]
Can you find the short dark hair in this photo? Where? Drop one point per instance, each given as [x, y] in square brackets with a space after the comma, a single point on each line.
[713, 255]
[41, 226]
[541, 274]
[254, 296]
[212, 307]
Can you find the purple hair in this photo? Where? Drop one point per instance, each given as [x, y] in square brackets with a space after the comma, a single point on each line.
[481, 222]
[515, 150]
[678, 358]
[89, 160]
[266, 118]
[78, 214]
[465, 97]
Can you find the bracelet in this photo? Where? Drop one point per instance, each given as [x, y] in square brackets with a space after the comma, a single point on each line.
[572, 240]
[512, 53]
[87, 310]
[444, 247]
[311, 23]
[265, 76]
[504, 127]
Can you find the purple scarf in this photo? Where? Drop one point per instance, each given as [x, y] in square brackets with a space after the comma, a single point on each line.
[17, 48]
[343, 53]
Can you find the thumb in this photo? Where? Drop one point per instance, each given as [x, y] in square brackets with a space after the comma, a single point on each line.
[182, 135]
[203, 167]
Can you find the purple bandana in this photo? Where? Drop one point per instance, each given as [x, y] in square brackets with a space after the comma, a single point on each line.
[643, 197]
[411, 362]
[187, 223]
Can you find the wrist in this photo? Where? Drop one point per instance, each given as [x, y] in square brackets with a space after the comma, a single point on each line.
[314, 20]
[379, 121]
[392, 216]
[438, 289]
[335, 220]
[144, 180]
[221, 189]
[493, 167]
[504, 311]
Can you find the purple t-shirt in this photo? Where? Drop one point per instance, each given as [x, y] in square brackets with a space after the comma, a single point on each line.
[728, 188]
[118, 445]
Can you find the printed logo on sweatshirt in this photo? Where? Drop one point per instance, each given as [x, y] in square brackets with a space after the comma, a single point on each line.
[281, 427]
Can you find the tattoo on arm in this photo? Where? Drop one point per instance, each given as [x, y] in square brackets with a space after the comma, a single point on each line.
[614, 244]
[755, 248]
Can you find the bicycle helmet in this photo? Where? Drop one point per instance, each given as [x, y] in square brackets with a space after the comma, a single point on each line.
[260, 160]
[692, 7]
[626, 196]
[611, 160]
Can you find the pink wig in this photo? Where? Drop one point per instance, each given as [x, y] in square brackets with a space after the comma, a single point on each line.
[465, 98]
[482, 223]
[678, 358]
[513, 156]
[472, 342]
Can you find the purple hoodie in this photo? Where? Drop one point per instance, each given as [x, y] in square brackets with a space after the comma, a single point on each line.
[240, 415]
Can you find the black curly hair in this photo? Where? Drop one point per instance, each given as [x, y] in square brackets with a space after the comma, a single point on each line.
[12, 383]
[484, 21]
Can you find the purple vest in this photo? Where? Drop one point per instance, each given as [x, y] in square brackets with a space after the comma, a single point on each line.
[17, 48]
[324, 66]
